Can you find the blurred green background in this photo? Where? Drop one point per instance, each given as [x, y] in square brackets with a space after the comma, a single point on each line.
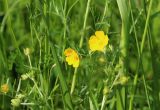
[37, 23]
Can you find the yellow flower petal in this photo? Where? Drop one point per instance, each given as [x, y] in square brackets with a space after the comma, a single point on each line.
[72, 57]
[99, 34]
[98, 41]
[70, 60]
[4, 88]
[68, 52]
[76, 63]
[93, 43]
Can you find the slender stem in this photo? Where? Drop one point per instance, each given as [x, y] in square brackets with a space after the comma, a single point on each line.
[2, 101]
[64, 20]
[133, 94]
[84, 24]
[58, 72]
[80, 44]
[37, 87]
[105, 10]
[40, 49]
[69, 10]
[27, 104]
[145, 85]
[29, 59]
[103, 102]
[19, 86]
[121, 92]
[46, 40]
[155, 64]
[139, 58]
[146, 25]
[143, 40]
[74, 80]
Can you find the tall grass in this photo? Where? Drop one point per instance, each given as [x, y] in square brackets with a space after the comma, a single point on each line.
[34, 35]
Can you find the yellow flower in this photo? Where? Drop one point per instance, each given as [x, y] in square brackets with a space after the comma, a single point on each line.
[4, 88]
[72, 57]
[98, 41]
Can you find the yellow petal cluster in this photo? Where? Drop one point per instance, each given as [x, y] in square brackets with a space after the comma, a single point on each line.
[4, 88]
[72, 57]
[98, 41]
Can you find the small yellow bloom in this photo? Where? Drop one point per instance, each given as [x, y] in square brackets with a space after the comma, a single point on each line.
[72, 57]
[98, 41]
[4, 88]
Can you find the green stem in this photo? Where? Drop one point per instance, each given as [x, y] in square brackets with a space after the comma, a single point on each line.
[40, 49]
[74, 80]
[139, 59]
[35, 84]
[84, 24]
[103, 102]
[146, 25]
[3, 102]
[29, 59]
[105, 10]
[81, 42]
[145, 85]
[19, 86]
[46, 40]
[121, 92]
[154, 61]
[133, 92]
[65, 93]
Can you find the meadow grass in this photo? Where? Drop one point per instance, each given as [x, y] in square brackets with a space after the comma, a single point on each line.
[34, 70]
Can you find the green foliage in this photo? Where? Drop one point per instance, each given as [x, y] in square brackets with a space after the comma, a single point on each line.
[123, 77]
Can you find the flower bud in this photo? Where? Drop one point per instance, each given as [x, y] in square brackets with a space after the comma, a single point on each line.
[15, 102]
[20, 96]
[24, 76]
[27, 51]
[105, 90]
[123, 80]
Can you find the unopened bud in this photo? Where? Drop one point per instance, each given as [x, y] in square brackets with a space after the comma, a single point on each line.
[24, 76]
[20, 96]
[105, 90]
[15, 102]
[27, 51]
[123, 80]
